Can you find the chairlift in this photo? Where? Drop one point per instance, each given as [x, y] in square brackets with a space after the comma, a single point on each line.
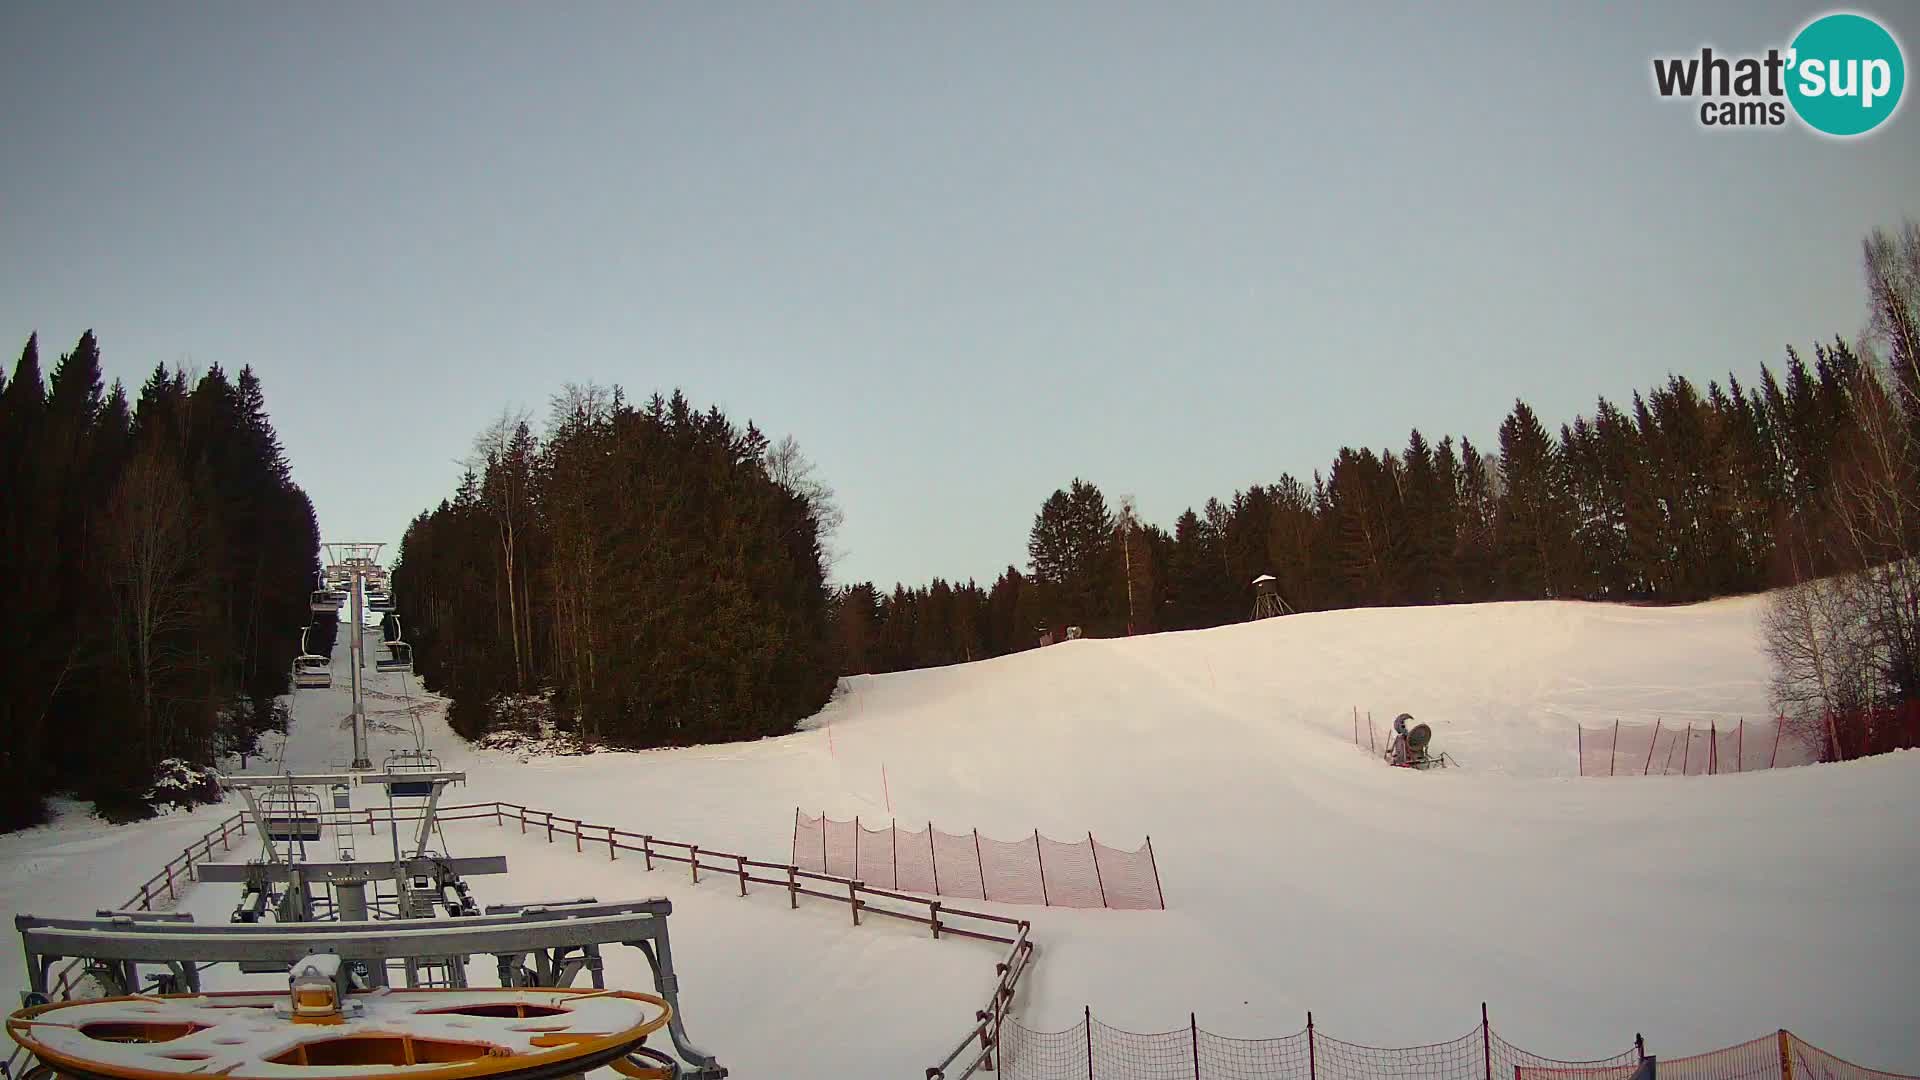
[403, 762]
[312, 672]
[325, 602]
[399, 658]
[292, 816]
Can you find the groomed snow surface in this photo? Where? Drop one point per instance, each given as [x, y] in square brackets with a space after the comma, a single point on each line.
[1299, 872]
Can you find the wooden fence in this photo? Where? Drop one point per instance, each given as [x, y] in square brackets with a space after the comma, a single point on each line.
[939, 917]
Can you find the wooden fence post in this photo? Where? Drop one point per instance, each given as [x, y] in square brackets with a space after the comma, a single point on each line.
[933, 910]
[497, 823]
[610, 845]
[743, 873]
[694, 862]
[853, 899]
[549, 814]
[933, 859]
[523, 820]
[793, 887]
[646, 847]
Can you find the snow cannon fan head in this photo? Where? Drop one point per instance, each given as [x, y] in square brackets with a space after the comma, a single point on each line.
[1419, 736]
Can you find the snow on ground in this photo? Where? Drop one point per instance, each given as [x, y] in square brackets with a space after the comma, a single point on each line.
[1300, 873]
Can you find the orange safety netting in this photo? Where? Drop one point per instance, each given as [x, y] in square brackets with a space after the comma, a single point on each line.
[1034, 870]
[1670, 748]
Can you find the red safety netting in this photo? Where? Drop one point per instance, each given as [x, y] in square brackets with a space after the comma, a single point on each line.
[1755, 1060]
[1666, 748]
[1035, 870]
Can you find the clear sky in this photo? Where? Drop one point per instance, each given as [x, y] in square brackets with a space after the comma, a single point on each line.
[963, 252]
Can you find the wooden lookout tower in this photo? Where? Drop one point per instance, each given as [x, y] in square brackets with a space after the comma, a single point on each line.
[1266, 598]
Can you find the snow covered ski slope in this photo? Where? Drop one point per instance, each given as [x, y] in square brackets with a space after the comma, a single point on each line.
[1299, 872]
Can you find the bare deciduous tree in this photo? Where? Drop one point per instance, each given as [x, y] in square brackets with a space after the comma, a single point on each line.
[150, 552]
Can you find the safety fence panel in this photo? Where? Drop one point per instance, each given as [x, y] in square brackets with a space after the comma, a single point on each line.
[873, 856]
[1160, 1055]
[956, 866]
[1809, 1061]
[1091, 1049]
[1460, 1059]
[1666, 748]
[1130, 878]
[1071, 874]
[1034, 870]
[913, 861]
[1012, 870]
[1758, 1059]
[1508, 1060]
[1286, 1058]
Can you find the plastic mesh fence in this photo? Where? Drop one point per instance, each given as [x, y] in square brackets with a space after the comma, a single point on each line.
[1253, 1059]
[1130, 878]
[1460, 1059]
[1071, 874]
[1163, 1055]
[913, 860]
[1662, 748]
[1012, 871]
[956, 866]
[1811, 1062]
[1034, 870]
[1026, 1054]
[1509, 1060]
[1091, 1050]
[1755, 1060]
[873, 859]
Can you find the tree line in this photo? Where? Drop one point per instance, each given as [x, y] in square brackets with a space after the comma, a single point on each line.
[655, 570]
[159, 560]
[1679, 494]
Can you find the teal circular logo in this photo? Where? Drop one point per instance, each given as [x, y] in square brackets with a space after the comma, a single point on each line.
[1845, 74]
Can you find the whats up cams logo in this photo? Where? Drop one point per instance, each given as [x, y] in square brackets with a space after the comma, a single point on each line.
[1841, 75]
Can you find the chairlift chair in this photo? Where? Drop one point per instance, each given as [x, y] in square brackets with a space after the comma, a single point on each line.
[381, 602]
[312, 672]
[324, 602]
[399, 658]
